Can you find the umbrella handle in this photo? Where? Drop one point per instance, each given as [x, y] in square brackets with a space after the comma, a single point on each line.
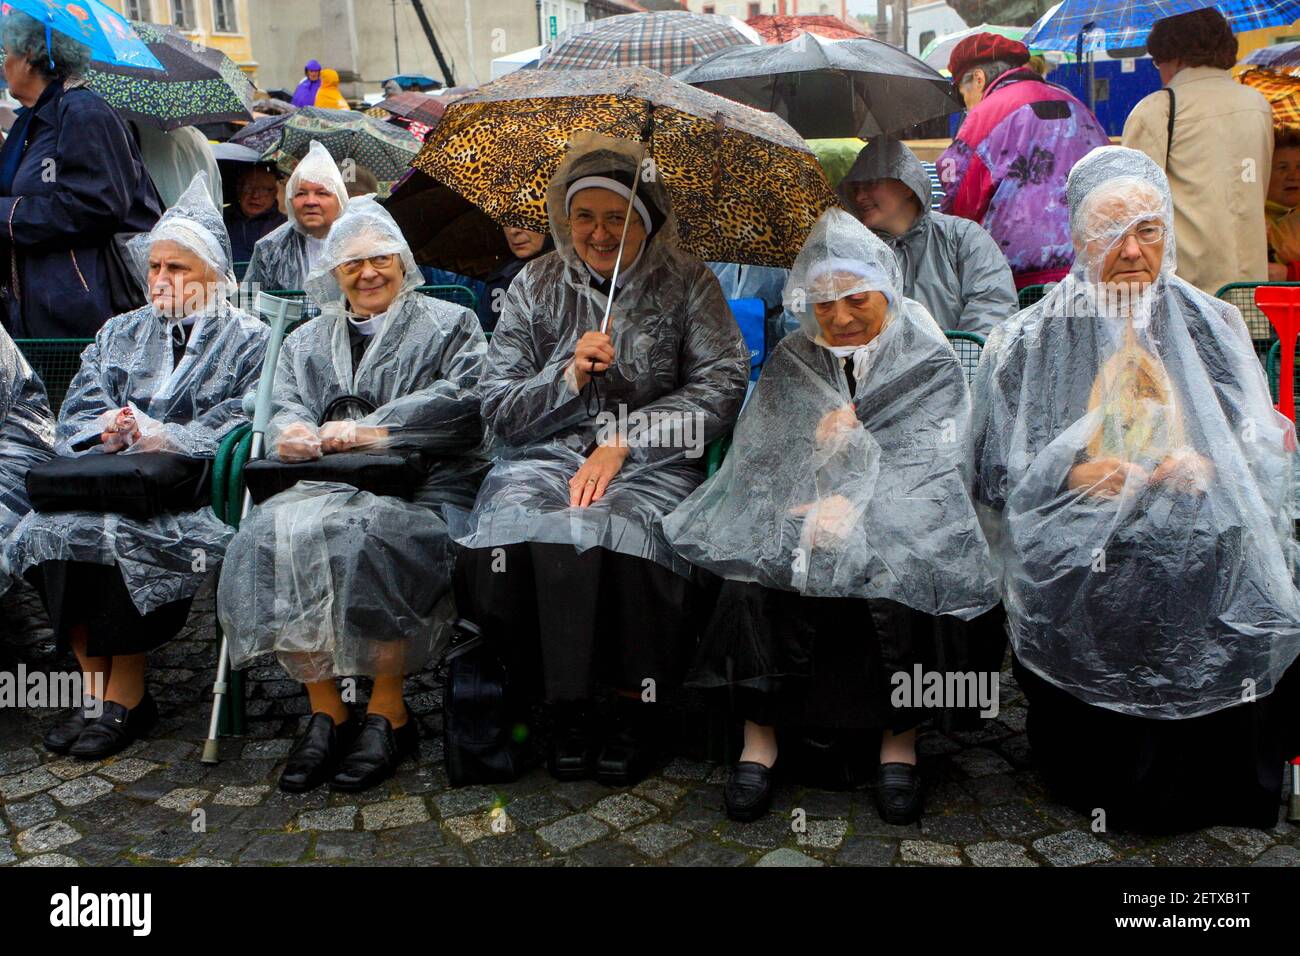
[622, 241]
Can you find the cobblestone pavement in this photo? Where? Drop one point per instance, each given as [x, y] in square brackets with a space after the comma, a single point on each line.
[985, 806]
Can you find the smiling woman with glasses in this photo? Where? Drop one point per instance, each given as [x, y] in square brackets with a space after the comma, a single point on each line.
[348, 577]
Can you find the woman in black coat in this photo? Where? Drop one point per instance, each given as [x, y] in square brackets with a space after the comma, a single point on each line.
[71, 178]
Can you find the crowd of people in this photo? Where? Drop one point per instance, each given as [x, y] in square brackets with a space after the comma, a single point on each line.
[1113, 494]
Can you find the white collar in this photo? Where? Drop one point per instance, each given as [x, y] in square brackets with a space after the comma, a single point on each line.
[863, 355]
[370, 326]
[622, 273]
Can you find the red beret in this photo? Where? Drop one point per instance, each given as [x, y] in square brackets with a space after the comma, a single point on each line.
[983, 47]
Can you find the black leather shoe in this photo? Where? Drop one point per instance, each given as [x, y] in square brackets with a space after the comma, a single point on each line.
[115, 729]
[748, 791]
[60, 738]
[376, 753]
[627, 753]
[315, 756]
[573, 751]
[898, 793]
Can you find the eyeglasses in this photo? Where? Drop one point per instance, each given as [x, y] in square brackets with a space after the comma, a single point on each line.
[584, 223]
[353, 266]
[1148, 234]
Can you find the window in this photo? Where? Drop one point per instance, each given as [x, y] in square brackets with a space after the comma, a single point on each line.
[183, 14]
[708, 8]
[755, 9]
[926, 37]
[137, 10]
[224, 19]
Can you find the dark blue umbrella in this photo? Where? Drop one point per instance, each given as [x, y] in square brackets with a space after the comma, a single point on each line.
[414, 81]
[1123, 25]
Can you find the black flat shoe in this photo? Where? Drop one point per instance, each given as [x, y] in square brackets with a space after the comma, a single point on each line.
[60, 738]
[573, 751]
[628, 752]
[315, 756]
[376, 753]
[748, 791]
[115, 729]
[898, 793]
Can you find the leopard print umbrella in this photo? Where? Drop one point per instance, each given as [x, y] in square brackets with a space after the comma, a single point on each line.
[744, 186]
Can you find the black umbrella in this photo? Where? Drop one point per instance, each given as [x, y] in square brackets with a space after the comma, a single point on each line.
[829, 89]
[198, 84]
[446, 230]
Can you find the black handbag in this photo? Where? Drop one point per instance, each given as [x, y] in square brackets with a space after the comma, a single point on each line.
[395, 476]
[480, 713]
[139, 486]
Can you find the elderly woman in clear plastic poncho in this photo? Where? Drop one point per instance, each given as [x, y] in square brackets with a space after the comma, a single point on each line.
[1137, 484]
[26, 438]
[315, 198]
[338, 581]
[598, 437]
[840, 519]
[168, 377]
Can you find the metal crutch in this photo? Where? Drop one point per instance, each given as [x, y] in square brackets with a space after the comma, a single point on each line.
[280, 313]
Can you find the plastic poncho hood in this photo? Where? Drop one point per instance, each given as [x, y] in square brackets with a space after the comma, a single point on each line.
[319, 167]
[194, 222]
[875, 506]
[1136, 475]
[950, 265]
[364, 231]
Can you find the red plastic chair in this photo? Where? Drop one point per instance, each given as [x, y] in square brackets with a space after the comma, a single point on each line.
[1282, 306]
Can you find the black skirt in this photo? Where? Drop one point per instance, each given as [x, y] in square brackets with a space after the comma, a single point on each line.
[813, 662]
[1161, 776]
[566, 622]
[93, 598]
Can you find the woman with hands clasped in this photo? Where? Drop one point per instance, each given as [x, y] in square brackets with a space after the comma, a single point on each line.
[1137, 482]
[339, 581]
[840, 522]
[168, 377]
[598, 435]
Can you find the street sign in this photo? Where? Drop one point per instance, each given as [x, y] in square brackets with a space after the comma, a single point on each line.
[554, 27]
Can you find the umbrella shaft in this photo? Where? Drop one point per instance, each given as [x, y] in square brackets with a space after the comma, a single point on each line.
[618, 262]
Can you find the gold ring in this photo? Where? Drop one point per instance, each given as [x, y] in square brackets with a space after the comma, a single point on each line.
[591, 481]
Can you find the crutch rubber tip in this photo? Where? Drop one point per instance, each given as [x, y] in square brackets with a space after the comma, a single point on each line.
[210, 752]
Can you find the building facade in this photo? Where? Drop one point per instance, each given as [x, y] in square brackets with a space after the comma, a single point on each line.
[223, 24]
[744, 9]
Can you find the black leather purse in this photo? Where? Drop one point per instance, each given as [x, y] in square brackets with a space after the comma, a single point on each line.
[392, 475]
[139, 486]
[480, 713]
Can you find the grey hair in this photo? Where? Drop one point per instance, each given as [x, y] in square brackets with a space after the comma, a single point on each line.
[25, 35]
[992, 69]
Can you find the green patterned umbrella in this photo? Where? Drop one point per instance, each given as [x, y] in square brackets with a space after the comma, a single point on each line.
[198, 85]
[384, 149]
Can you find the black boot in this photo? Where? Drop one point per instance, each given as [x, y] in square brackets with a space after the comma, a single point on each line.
[316, 754]
[573, 748]
[376, 753]
[629, 749]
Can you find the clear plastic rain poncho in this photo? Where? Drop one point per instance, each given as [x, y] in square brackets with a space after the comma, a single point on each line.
[1135, 472]
[339, 581]
[950, 265]
[26, 438]
[837, 496]
[282, 259]
[677, 381]
[186, 410]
